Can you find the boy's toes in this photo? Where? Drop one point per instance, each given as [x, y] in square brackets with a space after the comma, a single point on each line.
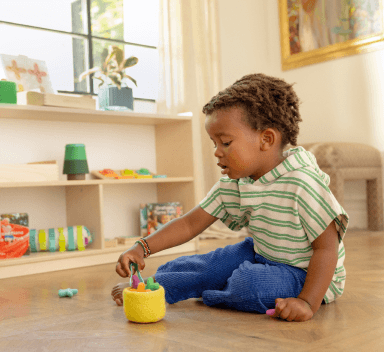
[117, 293]
[118, 298]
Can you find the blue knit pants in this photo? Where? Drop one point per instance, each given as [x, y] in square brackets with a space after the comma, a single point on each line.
[231, 277]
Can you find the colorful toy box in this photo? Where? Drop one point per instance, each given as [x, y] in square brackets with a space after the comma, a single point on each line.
[63, 238]
[14, 235]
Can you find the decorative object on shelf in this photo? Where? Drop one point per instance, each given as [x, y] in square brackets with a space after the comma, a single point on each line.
[125, 240]
[154, 216]
[141, 304]
[59, 100]
[8, 92]
[28, 74]
[108, 174]
[69, 292]
[14, 235]
[114, 94]
[108, 243]
[31, 172]
[112, 98]
[311, 32]
[75, 162]
[63, 238]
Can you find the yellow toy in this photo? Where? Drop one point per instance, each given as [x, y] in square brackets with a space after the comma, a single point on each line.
[144, 304]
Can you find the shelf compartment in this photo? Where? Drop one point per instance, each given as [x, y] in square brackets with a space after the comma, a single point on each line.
[84, 206]
[86, 201]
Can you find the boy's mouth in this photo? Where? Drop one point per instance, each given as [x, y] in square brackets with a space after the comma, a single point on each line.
[224, 168]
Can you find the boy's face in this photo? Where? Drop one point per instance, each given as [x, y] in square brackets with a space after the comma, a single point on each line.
[238, 146]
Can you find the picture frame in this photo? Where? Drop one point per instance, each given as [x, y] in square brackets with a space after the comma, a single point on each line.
[314, 31]
[28, 74]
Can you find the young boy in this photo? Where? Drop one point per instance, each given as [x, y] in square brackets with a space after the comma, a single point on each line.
[294, 258]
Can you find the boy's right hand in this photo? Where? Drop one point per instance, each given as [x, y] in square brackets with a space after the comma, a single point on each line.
[133, 255]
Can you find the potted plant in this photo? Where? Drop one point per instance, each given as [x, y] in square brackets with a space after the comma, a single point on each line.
[114, 94]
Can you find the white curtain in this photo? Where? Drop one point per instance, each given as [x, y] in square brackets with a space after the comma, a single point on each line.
[189, 78]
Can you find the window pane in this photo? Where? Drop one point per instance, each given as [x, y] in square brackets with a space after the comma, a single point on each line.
[54, 49]
[141, 22]
[146, 72]
[133, 21]
[107, 18]
[64, 15]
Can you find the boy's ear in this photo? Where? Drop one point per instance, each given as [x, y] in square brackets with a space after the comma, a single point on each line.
[268, 138]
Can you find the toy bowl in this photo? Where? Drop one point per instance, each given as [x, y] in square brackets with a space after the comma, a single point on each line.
[144, 307]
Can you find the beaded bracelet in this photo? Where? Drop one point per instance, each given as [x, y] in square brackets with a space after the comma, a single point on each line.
[143, 243]
[146, 245]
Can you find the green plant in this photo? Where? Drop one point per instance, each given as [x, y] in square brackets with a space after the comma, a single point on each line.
[113, 67]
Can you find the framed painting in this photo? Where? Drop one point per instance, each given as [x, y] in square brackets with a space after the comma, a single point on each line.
[313, 31]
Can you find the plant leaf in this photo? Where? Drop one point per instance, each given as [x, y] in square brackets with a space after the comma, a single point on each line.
[89, 72]
[119, 54]
[116, 80]
[102, 81]
[131, 61]
[111, 53]
[133, 80]
[116, 76]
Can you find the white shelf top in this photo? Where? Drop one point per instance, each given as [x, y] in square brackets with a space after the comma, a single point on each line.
[48, 113]
[93, 182]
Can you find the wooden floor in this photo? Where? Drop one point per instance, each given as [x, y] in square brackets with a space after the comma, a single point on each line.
[34, 318]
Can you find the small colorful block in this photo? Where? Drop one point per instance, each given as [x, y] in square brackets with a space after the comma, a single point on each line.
[69, 292]
[153, 286]
[135, 281]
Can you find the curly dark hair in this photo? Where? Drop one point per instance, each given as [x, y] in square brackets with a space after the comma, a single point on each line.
[269, 102]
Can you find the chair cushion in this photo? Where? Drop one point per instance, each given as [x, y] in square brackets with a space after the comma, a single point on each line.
[340, 155]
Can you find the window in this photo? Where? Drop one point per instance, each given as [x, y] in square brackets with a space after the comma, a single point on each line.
[58, 32]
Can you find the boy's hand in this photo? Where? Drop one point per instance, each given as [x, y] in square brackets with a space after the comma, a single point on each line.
[133, 255]
[292, 309]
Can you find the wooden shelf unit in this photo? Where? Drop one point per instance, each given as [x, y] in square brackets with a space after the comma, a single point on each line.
[85, 199]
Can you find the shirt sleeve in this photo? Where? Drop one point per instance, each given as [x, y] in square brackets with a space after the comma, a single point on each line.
[214, 204]
[318, 207]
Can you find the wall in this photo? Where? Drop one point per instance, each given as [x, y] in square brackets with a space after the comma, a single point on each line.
[341, 99]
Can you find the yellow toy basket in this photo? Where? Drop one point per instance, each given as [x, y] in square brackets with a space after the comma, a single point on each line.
[143, 305]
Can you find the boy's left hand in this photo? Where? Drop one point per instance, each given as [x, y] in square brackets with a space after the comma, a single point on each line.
[292, 309]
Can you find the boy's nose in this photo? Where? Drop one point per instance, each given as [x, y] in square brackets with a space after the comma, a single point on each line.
[218, 152]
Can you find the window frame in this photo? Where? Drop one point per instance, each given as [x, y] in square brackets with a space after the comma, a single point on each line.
[89, 37]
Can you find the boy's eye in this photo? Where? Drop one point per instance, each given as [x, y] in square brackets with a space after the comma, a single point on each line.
[224, 144]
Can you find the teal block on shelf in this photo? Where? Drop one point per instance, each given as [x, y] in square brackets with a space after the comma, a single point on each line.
[113, 98]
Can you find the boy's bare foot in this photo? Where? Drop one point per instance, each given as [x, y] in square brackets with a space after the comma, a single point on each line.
[117, 291]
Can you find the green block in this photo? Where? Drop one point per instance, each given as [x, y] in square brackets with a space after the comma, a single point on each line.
[75, 152]
[73, 167]
[8, 92]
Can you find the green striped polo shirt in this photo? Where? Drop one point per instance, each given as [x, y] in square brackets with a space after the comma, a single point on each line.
[285, 211]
